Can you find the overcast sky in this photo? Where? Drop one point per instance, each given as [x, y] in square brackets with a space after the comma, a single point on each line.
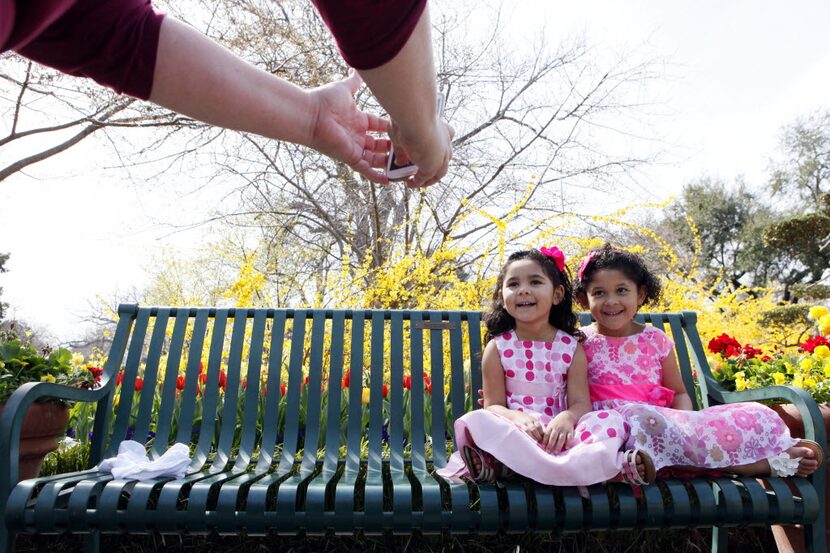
[737, 72]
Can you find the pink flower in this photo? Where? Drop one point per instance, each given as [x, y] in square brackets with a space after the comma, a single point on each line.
[727, 436]
[556, 254]
[747, 420]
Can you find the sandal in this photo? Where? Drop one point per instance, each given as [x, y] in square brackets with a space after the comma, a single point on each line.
[629, 473]
[783, 465]
[490, 469]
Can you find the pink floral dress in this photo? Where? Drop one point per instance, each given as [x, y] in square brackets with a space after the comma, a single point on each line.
[535, 378]
[626, 374]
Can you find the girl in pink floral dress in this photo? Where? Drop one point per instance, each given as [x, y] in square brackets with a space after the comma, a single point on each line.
[536, 421]
[632, 368]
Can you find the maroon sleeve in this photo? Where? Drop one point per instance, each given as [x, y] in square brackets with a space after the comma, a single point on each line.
[369, 33]
[113, 42]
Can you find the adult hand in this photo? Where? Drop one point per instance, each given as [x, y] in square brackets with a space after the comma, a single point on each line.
[341, 131]
[431, 152]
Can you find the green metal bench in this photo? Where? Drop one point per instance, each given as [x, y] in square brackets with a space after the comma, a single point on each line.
[268, 460]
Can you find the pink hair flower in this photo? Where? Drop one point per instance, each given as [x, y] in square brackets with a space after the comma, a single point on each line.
[556, 254]
[584, 264]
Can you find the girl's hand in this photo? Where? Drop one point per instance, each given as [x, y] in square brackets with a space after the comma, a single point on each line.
[558, 433]
[530, 425]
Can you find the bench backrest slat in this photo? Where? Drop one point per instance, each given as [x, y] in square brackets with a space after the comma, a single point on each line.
[248, 442]
[313, 409]
[354, 434]
[417, 432]
[210, 388]
[131, 366]
[437, 430]
[191, 379]
[457, 372]
[294, 389]
[682, 351]
[272, 391]
[396, 395]
[168, 394]
[474, 355]
[145, 402]
[376, 393]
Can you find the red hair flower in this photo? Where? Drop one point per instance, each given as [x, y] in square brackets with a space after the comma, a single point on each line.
[556, 254]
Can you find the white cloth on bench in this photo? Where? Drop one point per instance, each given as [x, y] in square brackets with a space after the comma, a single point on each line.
[132, 462]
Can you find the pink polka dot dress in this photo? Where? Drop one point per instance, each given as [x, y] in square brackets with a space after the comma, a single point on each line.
[535, 378]
[716, 437]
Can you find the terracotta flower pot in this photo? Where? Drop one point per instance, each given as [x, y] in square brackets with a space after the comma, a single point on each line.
[790, 539]
[43, 427]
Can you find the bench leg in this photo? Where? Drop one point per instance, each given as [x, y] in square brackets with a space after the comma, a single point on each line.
[720, 539]
[92, 542]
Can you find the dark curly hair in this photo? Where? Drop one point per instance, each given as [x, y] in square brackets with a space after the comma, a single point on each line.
[562, 316]
[628, 263]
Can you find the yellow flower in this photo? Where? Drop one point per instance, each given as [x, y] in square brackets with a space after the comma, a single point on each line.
[821, 352]
[779, 378]
[798, 381]
[740, 384]
[47, 378]
[365, 397]
[77, 359]
[824, 324]
[810, 382]
[818, 311]
[790, 368]
[827, 370]
[806, 364]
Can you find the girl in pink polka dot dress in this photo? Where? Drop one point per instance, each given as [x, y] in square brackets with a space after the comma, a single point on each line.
[632, 369]
[536, 421]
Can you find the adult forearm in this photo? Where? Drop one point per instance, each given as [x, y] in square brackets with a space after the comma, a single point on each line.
[199, 78]
[405, 86]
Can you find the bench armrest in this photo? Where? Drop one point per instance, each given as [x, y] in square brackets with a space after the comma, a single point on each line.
[11, 420]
